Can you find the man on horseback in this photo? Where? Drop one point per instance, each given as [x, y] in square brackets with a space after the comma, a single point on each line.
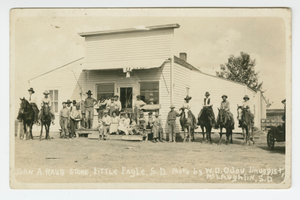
[246, 105]
[32, 101]
[225, 105]
[207, 104]
[47, 100]
[186, 108]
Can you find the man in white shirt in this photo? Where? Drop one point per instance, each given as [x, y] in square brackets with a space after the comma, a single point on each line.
[186, 107]
[246, 105]
[47, 99]
[75, 117]
[106, 124]
[118, 104]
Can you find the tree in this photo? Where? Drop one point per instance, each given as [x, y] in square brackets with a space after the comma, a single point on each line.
[241, 69]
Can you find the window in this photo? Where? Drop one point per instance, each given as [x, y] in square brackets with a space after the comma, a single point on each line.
[105, 90]
[54, 99]
[150, 92]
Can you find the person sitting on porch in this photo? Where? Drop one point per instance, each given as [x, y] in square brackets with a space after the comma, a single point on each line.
[137, 107]
[133, 128]
[89, 104]
[47, 99]
[157, 129]
[111, 106]
[105, 124]
[118, 104]
[114, 123]
[186, 107]
[124, 124]
[142, 123]
[246, 105]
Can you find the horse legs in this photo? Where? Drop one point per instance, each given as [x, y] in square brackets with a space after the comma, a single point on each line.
[47, 131]
[184, 139]
[31, 136]
[220, 141]
[231, 136]
[203, 133]
[190, 138]
[41, 131]
[252, 134]
[209, 135]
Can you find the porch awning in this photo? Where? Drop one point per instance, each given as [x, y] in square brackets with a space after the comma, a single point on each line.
[126, 65]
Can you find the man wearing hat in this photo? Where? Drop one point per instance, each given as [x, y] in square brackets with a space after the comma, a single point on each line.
[64, 117]
[172, 123]
[105, 125]
[137, 108]
[32, 101]
[186, 107]
[226, 106]
[207, 103]
[89, 104]
[246, 105]
[118, 104]
[47, 100]
[75, 117]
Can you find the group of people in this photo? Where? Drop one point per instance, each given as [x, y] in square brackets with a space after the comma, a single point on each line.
[113, 121]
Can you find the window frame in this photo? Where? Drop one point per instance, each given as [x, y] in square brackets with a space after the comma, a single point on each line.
[159, 88]
[53, 99]
[104, 82]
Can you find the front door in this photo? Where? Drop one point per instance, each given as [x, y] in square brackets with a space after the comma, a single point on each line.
[126, 98]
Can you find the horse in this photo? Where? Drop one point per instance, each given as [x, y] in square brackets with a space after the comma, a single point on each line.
[245, 117]
[206, 120]
[45, 120]
[186, 121]
[224, 121]
[26, 114]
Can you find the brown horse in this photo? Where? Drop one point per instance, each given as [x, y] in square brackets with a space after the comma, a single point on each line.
[225, 121]
[26, 114]
[186, 121]
[245, 117]
[45, 120]
[206, 120]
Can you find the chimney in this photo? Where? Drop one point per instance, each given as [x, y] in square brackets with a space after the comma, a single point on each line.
[183, 56]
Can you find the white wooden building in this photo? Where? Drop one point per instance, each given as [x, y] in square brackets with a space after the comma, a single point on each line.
[135, 61]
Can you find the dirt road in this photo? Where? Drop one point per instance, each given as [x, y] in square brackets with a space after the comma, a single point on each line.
[91, 161]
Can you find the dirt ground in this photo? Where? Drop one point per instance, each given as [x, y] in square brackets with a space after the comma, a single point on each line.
[86, 160]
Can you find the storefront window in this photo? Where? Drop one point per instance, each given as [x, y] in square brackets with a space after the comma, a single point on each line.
[105, 90]
[150, 92]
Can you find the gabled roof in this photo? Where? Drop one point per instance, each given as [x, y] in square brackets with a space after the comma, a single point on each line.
[185, 64]
[128, 30]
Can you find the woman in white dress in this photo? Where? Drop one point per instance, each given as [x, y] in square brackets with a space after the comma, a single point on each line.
[114, 123]
[124, 124]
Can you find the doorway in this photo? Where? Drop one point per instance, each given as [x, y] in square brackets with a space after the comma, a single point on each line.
[126, 98]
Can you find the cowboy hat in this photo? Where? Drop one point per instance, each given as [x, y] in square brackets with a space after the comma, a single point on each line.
[172, 106]
[224, 96]
[89, 92]
[74, 102]
[207, 93]
[187, 97]
[68, 102]
[31, 89]
[246, 97]
[64, 102]
[150, 113]
[46, 92]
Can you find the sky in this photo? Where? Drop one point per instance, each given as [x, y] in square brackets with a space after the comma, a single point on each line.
[49, 39]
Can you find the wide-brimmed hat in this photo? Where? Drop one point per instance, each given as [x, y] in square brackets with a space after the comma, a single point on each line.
[150, 113]
[207, 93]
[89, 92]
[224, 96]
[74, 102]
[187, 97]
[64, 102]
[68, 101]
[172, 106]
[46, 92]
[246, 97]
[31, 89]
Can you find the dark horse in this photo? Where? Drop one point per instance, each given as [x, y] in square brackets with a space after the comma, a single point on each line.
[245, 117]
[224, 121]
[186, 121]
[45, 120]
[26, 114]
[206, 119]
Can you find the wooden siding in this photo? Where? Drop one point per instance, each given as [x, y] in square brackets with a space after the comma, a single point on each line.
[62, 80]
[132, 47]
